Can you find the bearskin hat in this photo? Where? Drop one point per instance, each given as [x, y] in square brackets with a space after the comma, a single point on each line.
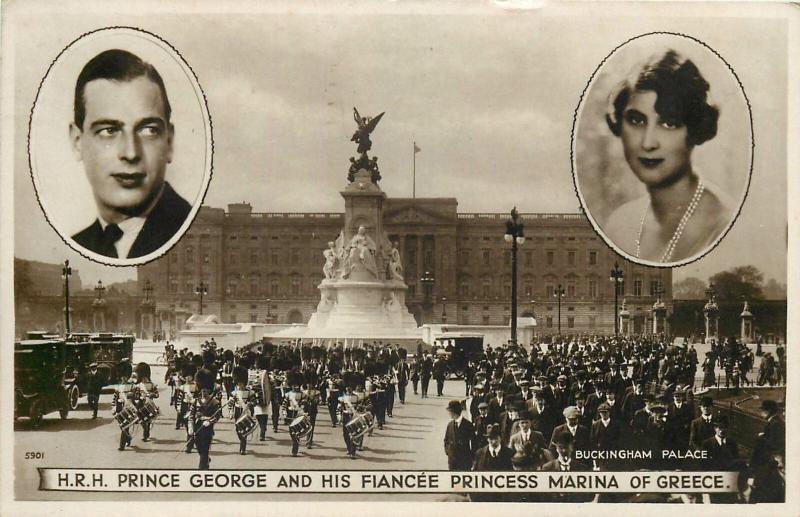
[189, 370]
[262, 363]
[205, 379]
[240, 375]
[246, 362]
[403, 353]
[350, 379]
[143, 370]
[197, 361]
[295, 378]
[228, 354]
[209, 357]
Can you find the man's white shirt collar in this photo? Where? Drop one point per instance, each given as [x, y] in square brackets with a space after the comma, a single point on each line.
[131, 228]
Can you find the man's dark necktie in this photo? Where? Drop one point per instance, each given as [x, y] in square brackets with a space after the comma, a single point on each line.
[110, 236]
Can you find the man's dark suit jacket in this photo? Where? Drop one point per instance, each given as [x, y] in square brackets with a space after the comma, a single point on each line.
[699, 431]
[458, 444]
[161, 225]
[582, 437]
[485, 462]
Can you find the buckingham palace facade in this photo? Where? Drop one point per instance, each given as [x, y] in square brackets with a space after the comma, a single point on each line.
[265, 267]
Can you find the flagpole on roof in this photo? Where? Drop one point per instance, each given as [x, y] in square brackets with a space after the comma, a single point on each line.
[414, 182]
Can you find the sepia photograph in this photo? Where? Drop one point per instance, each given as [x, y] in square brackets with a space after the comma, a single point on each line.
[663, 157]
[103, 136]
[443, 263]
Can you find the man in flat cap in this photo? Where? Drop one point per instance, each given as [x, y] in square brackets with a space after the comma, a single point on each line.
[459, 439]
[482, 422]
[526, 435]
[605, 435]
[580, 433]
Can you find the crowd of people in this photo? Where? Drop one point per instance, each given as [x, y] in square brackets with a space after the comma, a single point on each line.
[607, 404]
[588, 404]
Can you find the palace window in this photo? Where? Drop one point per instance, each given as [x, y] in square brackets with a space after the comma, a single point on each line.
[571, 257]
[487, 257]
[529, 259]
[549, 322]
[571, 322]
[592, 258]
[551, 255]
[592, 288]
[637, 286]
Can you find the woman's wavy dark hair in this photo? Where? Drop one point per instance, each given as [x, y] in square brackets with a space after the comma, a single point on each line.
[681, 96]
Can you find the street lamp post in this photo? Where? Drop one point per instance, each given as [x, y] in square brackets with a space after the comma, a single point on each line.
[444, 309]
[616, 276]
[559, 293]
[99, 289]
[516, 236]
[66, 272]
[269, 316]
[147, 290]
[427, 281]
[201, 290]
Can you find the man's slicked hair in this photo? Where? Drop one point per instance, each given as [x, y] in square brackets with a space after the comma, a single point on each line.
[115, 65]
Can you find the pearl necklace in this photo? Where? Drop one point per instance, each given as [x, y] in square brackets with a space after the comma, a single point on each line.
[676, 236]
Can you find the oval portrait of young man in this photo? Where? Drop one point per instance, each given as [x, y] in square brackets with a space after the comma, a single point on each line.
[663, 149]
[120, 146]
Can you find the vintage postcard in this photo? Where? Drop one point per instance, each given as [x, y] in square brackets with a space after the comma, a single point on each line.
[392, 257]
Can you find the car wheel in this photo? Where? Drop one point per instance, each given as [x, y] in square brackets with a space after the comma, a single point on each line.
[36, 413]
[73, 395]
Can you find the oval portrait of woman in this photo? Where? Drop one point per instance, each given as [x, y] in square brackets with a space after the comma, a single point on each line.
[662, 149]
[120, 146]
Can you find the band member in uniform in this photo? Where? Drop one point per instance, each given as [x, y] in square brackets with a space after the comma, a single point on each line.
[205, 412]
[262, 398]
[311, 396]
[377, 398]
[143, 392]
[277, 398]
[94, 384]
[122, 395]
[241, 400]
[295, 404]
[191, 394]
[334, 389]
[227, 373]
[347, 407]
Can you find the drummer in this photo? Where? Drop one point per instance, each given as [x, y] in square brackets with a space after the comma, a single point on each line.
[242, 400]
[122, 396]
[205, 412]
[311, 397]
[144, 392]
[296, 403]
[347, 404]
[334, 389]
[262, 400]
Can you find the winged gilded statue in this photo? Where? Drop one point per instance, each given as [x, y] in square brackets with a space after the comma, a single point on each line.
[366, 125]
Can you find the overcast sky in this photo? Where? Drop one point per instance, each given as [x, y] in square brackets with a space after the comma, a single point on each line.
[488, 98]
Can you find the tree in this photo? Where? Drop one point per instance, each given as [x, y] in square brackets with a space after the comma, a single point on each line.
[691, 288]
[739, 283]
[22, 279]
[774, 290]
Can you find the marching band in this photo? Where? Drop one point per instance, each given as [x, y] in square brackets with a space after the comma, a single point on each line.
[247, 386]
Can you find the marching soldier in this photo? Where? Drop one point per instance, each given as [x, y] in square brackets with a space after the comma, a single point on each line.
[143, 392]
[376, 397]
[347, 406]
[190, 396]
[122, 396]
[311, 396]
[277, 400]
[205, 412]
[241, 401]
[295, 404]
[334, 389]
[262, 398]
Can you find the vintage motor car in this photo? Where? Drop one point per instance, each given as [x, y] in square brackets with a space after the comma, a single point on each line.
[39, 386]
